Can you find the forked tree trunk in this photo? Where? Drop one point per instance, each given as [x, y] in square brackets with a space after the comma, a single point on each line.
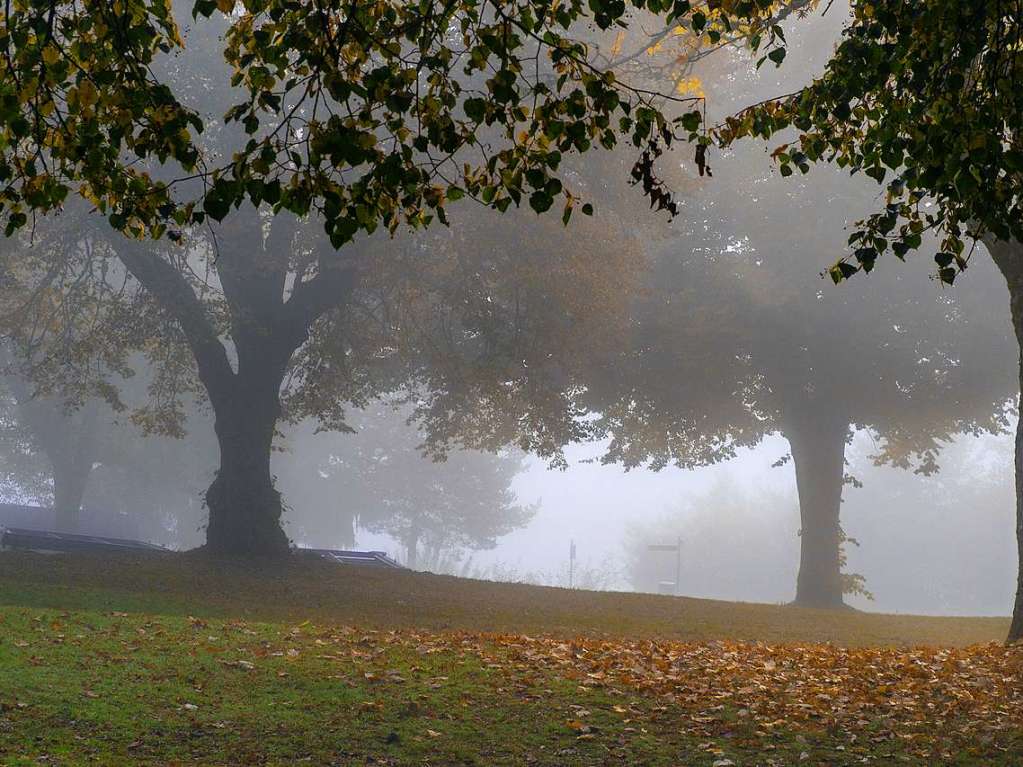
[267, 327]
[1008, 256]
[818, 451]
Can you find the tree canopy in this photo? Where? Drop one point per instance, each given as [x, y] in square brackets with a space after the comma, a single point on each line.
[734, 336]
[364, 113]
[345, 119]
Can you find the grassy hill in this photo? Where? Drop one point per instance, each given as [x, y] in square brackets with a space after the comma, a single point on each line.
[178, 660]
[322, 591]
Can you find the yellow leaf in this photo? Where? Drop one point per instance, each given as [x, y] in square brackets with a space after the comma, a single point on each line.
[616, 47]
[691, 86]
[175, 35]
[87, 93]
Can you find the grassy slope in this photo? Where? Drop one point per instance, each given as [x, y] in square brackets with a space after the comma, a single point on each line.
[178, 661]
[325, 592]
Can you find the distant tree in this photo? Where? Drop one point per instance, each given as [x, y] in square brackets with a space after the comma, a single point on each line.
[922, 99]
[55, 361]
[67, 438]
[383, 483]
[317, 514]
[25, 474]
[87, 456]
[734, 337]
[690, 393]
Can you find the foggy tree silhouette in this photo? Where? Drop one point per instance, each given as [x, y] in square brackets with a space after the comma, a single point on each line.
[735, 336]
[925, 101]
[380, 475]
[68, 439]
[88, 456]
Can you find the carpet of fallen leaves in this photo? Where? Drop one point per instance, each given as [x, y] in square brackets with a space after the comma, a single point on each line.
[212, 690]
[929, 695]
[931, 702]
[99, 664]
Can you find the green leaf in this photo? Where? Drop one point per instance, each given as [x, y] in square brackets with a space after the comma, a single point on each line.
[540, 201]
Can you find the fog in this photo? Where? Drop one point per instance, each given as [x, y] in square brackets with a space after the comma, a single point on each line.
[653, 382]
[937, 545]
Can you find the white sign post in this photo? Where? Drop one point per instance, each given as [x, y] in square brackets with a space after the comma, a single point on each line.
[677, 548]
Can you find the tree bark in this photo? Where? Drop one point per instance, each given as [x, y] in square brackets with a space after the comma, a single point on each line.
[818, 451]
[244, 506]
[1008, 256]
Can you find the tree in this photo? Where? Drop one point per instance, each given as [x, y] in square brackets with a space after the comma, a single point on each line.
[724, 352]
[387, 485]
[88, 457]
[67, 438]
[25, 473]
[923, 99]
[356, 118]
[733, 338]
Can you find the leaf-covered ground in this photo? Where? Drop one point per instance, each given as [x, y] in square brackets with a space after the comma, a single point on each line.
[121, 681]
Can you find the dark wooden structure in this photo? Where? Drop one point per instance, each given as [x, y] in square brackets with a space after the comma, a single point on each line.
[47, 541]
[365, 558]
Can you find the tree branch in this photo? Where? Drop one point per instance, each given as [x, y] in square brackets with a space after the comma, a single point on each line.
[172, 291]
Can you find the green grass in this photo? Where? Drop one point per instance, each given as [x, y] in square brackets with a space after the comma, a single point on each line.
[178, 660]
[325, 592]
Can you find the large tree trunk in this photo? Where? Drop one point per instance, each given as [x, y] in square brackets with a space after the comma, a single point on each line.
[244, 506]
[818, 451]
[1008, 256]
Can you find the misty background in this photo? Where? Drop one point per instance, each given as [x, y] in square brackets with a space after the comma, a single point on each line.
[935, 545]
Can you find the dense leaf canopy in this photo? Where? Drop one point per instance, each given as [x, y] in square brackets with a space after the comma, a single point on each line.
[369, 113]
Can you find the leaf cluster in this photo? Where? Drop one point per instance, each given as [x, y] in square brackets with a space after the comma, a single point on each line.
[924, 98]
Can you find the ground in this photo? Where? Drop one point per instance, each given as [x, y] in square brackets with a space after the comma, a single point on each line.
[177, 660]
